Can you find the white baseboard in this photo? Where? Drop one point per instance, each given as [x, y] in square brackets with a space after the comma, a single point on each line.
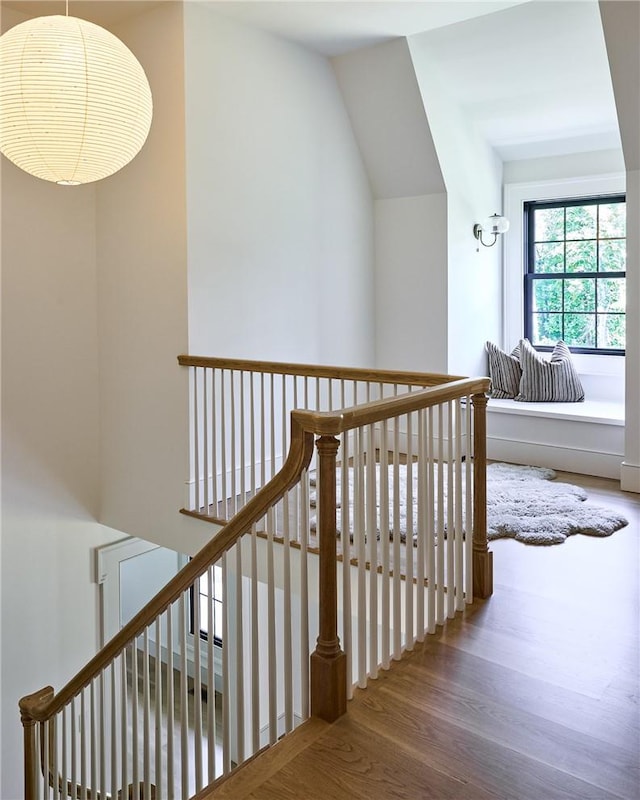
[562, 457]
[630, 477]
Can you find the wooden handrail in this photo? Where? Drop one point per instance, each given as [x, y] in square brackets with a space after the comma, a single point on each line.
[298, 459]
[332, 423]
[314, 371]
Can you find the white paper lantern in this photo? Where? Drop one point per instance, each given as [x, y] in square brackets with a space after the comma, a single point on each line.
[75, 104]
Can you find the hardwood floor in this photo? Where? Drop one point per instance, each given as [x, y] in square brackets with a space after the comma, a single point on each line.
[530, 695]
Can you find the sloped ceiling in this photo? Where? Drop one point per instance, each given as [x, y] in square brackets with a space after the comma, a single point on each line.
[533, 80]
[532, 77]
[383, 99]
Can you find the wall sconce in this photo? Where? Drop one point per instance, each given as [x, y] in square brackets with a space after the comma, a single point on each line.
[495, 224]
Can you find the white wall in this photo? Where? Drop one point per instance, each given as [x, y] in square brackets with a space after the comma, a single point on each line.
[630, 474]
[411, 283]
[621, 24]
[142, 304]
[473, 177]
[280, 230]
[50, 443]
[382, 96]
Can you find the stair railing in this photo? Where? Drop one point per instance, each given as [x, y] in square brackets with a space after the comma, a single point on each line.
[131, 723]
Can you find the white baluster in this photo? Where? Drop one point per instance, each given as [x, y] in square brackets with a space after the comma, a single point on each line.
[385, 541]
[468, 590]
[214, 447]
[422, 501]
[123, 722]
[360, 547]
[451, 499]
[74, 750]
[83, 746]
[239, 625]
[409, 549]
[233, 436]
[197, 685]
[441, 546]
[158, 708]
[211, 679]
[205, 442]
[101, 738]
[305, 649]
[184, 699]
[372, 533]
[170, 706]
[346, 524]
[431, 512]
[223, 447]
[196, 444]
[459, 540]
[255, 646]
[397, 607]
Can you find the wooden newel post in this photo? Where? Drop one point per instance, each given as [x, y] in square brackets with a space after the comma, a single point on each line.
[29, 724]
[328, 662]
[482, 556]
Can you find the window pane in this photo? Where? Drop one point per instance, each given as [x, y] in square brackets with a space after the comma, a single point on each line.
[547, 328]
[581, 256]
[612, 294]
[217, 621]
[611, 331]
[549, 258]
[204, 614]
[581, 222]
[548, 224]
[547, 295]
[217, 583]
[613, 220]
[580, 294]
[580, 330]
[613, 255]
[571, 242]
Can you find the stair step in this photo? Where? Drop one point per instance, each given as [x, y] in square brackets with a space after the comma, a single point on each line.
[240, 783]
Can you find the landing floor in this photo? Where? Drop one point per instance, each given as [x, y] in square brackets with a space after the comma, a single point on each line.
[531, 695]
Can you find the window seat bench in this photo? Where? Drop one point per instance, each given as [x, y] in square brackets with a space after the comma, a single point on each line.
[604, 412]
[586, 437]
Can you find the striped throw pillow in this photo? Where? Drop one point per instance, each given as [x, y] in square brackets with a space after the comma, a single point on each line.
[504, 370]
[554, 381]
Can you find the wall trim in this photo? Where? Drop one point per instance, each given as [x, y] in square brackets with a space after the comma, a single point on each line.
[630, 477]
[563, 457]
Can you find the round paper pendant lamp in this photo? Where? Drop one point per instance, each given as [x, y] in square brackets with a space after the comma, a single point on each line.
[75, 104]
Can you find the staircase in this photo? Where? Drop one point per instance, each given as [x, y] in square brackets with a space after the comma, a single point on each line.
[284, 467]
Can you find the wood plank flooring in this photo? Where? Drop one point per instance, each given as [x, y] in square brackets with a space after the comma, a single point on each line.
[530, 695]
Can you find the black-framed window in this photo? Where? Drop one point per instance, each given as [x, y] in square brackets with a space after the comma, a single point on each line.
[204, 607]
[575, 273]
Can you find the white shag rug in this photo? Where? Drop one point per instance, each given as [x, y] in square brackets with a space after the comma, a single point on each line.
[524, 503]
[527, 504]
